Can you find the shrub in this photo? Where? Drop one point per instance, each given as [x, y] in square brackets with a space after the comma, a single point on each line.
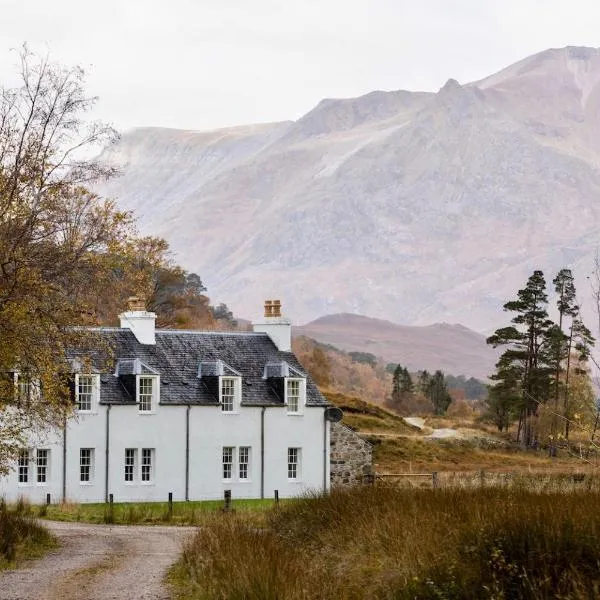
[20, 535]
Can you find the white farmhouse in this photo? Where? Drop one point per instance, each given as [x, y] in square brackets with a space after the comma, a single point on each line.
[192, 413]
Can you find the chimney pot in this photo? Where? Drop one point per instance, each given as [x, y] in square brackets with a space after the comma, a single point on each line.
[276, 308]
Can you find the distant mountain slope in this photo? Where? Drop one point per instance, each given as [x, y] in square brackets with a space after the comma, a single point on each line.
[452, 348]
[411, 206]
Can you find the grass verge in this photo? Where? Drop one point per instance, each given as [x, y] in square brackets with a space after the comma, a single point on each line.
[383, 543]
[149, 513]
[21, 537]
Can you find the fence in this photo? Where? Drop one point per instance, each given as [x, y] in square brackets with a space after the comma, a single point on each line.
[557, 482]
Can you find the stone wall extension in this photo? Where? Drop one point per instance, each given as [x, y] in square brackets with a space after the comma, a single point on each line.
[351, 457]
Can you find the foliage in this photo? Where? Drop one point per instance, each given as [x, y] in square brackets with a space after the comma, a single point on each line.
[334, 369]
[474, 389]
[365, 358]
[536, 365]
[380, 543]
[56, 236]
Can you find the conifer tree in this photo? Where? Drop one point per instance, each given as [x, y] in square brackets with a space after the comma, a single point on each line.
[525, 359]
[437, 392]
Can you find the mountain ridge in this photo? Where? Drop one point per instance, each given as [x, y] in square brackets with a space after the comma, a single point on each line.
[385, 204]
[453, 348]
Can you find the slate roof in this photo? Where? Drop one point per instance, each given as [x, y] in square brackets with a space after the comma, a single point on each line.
[177, 355]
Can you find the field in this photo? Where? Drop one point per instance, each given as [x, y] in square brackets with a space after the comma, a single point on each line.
[384, 543]
[402, 448]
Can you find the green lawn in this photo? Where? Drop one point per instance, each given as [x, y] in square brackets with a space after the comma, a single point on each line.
[127, 513]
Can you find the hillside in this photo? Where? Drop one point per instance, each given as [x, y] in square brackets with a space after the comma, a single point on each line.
[416, 207]
[452, 348]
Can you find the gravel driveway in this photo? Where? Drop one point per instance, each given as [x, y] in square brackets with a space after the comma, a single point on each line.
[99, 562]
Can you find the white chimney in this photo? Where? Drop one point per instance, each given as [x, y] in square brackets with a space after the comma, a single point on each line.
[278, 328]
[139, 321]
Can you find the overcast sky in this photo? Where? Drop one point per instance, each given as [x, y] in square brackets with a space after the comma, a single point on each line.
[199, 64]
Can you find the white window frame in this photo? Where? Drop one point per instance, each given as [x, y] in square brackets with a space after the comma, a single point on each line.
[244, 463]
[146, 453]
[154, 398]
[232, 407]
[294, 464]
[298, 408]
[23, 467]
[133, 465]
[86, 465]
[227, 462]
[42, 468]
[95, 392]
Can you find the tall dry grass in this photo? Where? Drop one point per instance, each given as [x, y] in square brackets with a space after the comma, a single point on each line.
[385, 543]
[20, 536]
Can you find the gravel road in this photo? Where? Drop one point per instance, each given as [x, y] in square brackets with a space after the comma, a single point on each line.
[99, 562]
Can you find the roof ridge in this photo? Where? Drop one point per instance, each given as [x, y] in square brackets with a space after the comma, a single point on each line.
[173, 331]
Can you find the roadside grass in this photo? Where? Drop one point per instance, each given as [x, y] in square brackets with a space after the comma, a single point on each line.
[385, 543]
[153, 513]
[21, 537]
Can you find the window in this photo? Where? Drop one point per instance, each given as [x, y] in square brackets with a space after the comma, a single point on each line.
[293, 394]
[84, 392]
[86, 465]
[147, 464]
[146, 388]
[42, 459]
[23, 466]
[130, 463]
[24, 389]
[293, 463]
[228, 394]
[227, 462]
[244, 462]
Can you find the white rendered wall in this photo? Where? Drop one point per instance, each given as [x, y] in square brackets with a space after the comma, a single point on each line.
[305, 431]
[12, 490]
[165, 432]
[210, 430]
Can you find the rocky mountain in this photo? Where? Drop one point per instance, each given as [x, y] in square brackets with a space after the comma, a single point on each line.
[416, 207]
[454, 349]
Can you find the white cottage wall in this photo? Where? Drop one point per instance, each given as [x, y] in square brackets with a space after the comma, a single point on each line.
[210, 430]
[35, 492]
[308, 431]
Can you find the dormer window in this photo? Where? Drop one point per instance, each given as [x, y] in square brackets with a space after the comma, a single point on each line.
[147, 393]
[86, 392]
[294, 395]
[224, 383]
[141, 381]
[289, 384]
[227, 394]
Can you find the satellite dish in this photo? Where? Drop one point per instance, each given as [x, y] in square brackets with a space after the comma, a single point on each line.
[333, 414]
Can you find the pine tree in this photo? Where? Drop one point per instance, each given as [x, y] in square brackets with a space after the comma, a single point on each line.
[437, 392]
[525, 357]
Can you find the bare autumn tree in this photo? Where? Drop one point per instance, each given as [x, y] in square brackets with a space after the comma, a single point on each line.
[56, 235]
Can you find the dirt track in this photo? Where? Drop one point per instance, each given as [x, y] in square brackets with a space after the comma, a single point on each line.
[99, 562]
